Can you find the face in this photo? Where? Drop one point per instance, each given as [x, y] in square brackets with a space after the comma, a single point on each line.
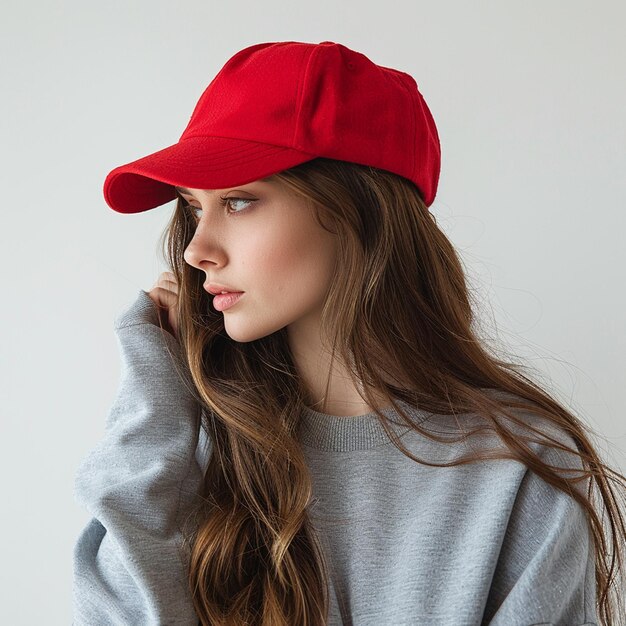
[262, 239]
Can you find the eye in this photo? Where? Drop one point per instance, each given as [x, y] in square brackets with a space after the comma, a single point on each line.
[227, 202]
[197, 211]
[192, 209]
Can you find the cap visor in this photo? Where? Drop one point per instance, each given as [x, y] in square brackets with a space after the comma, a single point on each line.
[198, 163]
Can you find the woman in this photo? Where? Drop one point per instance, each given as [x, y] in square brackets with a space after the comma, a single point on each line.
[330, 442]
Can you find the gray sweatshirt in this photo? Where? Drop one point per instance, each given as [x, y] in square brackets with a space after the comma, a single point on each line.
[487, 543]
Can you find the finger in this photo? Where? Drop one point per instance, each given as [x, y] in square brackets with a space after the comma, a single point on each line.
[168, 280]
[168, 276]
[166, 297]
[168, 286]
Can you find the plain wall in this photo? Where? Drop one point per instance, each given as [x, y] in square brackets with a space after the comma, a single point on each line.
[529, 100]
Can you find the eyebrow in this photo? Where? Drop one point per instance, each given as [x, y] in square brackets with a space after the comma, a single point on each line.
[185, 190]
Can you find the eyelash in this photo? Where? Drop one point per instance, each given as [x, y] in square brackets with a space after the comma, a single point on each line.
[223, 202]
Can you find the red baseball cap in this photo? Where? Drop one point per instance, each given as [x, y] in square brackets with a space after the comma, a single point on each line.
[278, 104]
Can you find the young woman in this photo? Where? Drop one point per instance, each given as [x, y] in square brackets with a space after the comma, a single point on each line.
[330, 441]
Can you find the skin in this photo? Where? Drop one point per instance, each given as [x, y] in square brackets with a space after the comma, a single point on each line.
[272, 249]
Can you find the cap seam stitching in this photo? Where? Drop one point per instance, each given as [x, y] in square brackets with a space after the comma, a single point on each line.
[300, 95]
[415, 108]
[261, 143]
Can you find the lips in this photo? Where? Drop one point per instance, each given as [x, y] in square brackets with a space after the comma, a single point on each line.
[215, 289]
[227, 300]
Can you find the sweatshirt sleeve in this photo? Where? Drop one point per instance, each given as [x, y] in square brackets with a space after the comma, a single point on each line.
[138, 484]
[546, 569]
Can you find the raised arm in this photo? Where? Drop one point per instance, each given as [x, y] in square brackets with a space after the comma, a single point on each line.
[139, 484]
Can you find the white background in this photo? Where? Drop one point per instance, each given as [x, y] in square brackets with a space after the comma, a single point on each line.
[529, 99]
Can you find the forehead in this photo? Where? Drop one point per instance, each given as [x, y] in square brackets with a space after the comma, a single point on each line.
[268, 179]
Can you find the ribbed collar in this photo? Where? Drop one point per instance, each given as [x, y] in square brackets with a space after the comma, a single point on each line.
[359, 432]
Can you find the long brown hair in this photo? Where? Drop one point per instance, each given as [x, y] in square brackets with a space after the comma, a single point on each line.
[253, 555]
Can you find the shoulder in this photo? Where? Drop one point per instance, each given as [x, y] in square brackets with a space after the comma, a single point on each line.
[506, 454]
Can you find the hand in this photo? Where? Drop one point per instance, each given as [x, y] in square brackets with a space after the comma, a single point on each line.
[164, 294]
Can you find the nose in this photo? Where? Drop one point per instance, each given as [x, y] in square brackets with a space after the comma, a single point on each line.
[201, 250]
[190, 254]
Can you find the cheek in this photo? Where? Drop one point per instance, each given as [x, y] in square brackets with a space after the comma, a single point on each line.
[296, 263]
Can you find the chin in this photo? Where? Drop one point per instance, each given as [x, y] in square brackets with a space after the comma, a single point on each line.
[244, 333]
